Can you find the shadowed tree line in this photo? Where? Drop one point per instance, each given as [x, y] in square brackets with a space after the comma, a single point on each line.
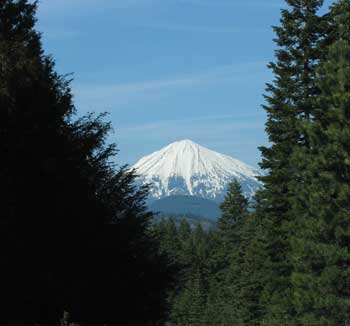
[218, 279]
[73, 225]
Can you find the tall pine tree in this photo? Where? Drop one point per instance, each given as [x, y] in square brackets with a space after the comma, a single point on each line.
[234, 209]
[320, 245]
[73, 225]
[232, 299]
[289, 102]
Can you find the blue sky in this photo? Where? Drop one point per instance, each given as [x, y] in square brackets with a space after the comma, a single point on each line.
[167, 70]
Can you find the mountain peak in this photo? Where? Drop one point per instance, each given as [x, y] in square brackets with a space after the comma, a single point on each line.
[187, 168]
[181, 144]
[184, 142]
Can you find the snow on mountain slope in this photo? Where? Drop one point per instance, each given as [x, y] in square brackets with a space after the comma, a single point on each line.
[186, 168]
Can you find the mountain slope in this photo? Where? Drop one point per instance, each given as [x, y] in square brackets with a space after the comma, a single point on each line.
[187, 205]
[188, 169]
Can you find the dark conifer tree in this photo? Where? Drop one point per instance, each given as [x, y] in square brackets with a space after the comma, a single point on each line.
[184, 230]
[190, 305]
[189, 296]
[234, 210]
[230, 227]
[171, 239]
[249, 273]
[73, 225]
[320, 245]
[186, 244]
[290, 101]
[227, 258]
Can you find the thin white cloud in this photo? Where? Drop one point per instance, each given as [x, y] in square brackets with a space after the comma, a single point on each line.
[188, 28]
[126, 8]
[214, 75]
[235, 3]
[175, 27]
[57, 6]
[212, 119]
[53, 6]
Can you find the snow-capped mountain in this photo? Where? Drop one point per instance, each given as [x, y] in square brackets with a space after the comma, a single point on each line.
[186, 168]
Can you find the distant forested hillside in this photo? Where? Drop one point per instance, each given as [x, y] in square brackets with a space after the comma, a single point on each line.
[187, 205]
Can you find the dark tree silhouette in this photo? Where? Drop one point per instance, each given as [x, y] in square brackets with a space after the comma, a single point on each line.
[73, 225]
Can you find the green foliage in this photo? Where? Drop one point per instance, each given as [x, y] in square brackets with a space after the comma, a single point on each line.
[220, 279]
[243, 249]
[73, 225]
[189, 306]
[290, 102]
[234, 209]
[188, 250]
[321, 240]
[191, 219]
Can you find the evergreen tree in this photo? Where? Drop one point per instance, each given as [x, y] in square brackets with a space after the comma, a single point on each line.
[218, 303]
[321, 241]
[171, 240]
[158, 228]
[184, 230]
[226, 260]
[234, 210]
[230, 226]
[249, 273]
[186, 244]
[73, 225]
[290, 101]
[188, 300]
[199, 243]
[189, 308]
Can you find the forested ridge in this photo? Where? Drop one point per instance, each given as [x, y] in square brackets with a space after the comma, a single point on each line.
[80, 247]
